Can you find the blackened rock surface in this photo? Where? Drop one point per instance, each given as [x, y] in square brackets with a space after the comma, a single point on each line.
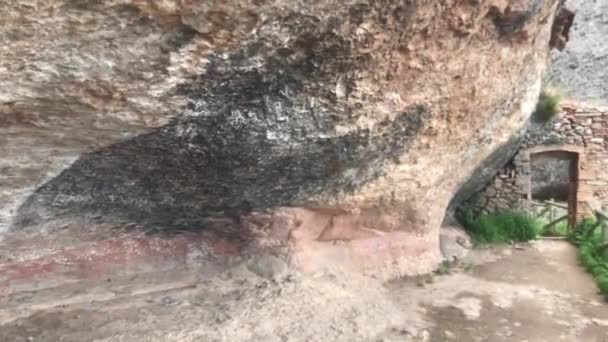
[200, 167]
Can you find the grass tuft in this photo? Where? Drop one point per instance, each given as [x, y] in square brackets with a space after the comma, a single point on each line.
[500, 227]
[444, 268]
[548, 106]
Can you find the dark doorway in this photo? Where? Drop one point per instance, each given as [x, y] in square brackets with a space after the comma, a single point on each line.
[554, 180]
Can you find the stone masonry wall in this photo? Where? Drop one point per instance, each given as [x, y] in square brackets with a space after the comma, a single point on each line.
[580, 131]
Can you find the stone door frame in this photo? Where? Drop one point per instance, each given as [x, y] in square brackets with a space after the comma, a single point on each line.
[573, 153]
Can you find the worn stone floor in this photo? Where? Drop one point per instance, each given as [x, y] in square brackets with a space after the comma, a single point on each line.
[534, 292]
[531, 293]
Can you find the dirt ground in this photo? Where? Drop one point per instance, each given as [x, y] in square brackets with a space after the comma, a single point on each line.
[535, 292]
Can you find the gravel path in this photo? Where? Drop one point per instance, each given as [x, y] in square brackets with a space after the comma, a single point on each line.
[526, 293]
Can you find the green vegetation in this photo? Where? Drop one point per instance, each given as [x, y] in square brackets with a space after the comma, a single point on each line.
[560, 229]
[501, 227]
[444, 268]
[591, 252]
[547, 106]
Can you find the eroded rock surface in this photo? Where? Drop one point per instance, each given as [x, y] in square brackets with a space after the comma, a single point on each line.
[339, 131]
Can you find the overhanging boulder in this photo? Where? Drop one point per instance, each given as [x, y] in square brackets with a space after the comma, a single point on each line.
[334, 134]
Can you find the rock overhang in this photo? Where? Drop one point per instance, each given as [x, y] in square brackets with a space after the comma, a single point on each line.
[366, 111]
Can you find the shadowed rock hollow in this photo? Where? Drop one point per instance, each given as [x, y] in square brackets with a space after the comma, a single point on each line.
[334, 132]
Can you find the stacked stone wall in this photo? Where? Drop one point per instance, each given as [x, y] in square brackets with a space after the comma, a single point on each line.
[579, 133]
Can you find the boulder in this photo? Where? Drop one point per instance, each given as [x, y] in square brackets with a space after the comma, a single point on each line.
[454, 243]
[333, 133]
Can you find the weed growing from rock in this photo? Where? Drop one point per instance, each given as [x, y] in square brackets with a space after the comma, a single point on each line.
[548, 106]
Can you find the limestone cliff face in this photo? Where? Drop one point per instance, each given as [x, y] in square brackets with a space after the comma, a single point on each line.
[297, 123]
[580, 70]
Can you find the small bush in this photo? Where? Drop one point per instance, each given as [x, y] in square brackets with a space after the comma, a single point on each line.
[547, 106]
[583, 232]
[590, 255]
[501, 227]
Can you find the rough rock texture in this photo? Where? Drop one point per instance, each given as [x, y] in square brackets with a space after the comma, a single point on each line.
[484, 173]
[454, 243]
[337, 130]
[581, 69]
